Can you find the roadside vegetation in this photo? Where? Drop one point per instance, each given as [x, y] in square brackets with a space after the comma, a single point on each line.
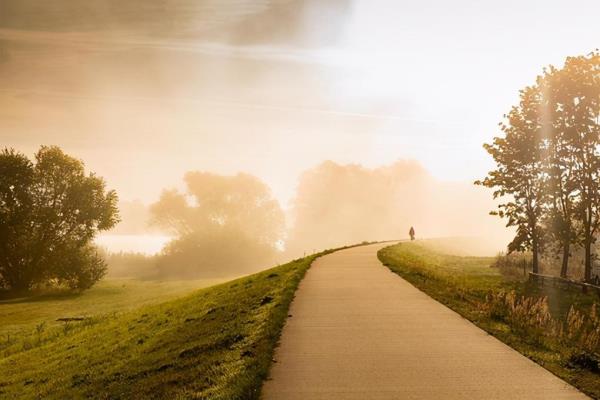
[557, 328]
[216, 343]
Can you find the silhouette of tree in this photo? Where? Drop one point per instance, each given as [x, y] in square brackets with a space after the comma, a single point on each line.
[223, 225]
[50, 211]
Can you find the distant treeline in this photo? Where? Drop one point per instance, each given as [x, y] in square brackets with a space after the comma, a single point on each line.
[231, 225]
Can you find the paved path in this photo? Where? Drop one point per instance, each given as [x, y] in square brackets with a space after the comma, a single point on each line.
[360, 332]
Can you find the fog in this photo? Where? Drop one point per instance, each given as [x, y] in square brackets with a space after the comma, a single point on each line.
[164, 81]
[224, 226]
[144, 91]
[345, 204]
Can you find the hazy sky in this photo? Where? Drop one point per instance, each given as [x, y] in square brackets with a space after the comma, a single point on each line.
[146, 90]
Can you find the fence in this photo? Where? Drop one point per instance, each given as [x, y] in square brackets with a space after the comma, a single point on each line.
[555, 281]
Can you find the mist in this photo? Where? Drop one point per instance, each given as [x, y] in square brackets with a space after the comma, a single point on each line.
[343, 204]
[225, 226]
[269, 87]
[219, 199]
[145, 80]
[145, 91]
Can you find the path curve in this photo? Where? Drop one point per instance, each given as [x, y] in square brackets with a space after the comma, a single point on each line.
[358, 331]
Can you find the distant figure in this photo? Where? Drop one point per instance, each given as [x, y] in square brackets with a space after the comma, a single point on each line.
[412, 233]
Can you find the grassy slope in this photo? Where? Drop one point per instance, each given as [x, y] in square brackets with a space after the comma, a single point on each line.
[21, 316]
[463, 282]
[216, 343]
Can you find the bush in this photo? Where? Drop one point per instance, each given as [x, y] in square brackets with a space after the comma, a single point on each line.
[584, 361]
[81, 268]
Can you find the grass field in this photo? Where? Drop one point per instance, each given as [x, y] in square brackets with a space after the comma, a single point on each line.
[216, 343]
[463, 284]
[21, 316]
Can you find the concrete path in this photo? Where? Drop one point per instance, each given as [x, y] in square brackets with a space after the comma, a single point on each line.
[360, 332]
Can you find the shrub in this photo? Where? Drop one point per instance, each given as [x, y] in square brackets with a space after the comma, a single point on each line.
[584, 361]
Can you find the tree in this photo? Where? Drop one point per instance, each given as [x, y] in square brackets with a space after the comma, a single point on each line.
[50, 212]
[563, 190]
[577, 88]
[562, 198]
[223, 225]
[549, 161]
[520, 177]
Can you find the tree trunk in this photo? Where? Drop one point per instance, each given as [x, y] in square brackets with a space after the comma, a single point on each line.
[535, 266]
[565, 260]
[588, 260]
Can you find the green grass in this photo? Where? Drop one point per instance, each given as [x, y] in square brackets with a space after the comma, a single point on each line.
[21, 316]
[462, 283]
[216, 343]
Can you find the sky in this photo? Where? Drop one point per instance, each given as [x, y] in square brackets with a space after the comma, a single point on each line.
[145, 91]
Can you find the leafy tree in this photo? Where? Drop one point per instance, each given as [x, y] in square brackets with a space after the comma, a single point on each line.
[50, 211]
[577, 98]
[549, 161]
[563, 190]
[520, 177]
[223, 225]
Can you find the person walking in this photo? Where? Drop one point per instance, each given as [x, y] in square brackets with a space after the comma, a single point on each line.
[412, 233]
